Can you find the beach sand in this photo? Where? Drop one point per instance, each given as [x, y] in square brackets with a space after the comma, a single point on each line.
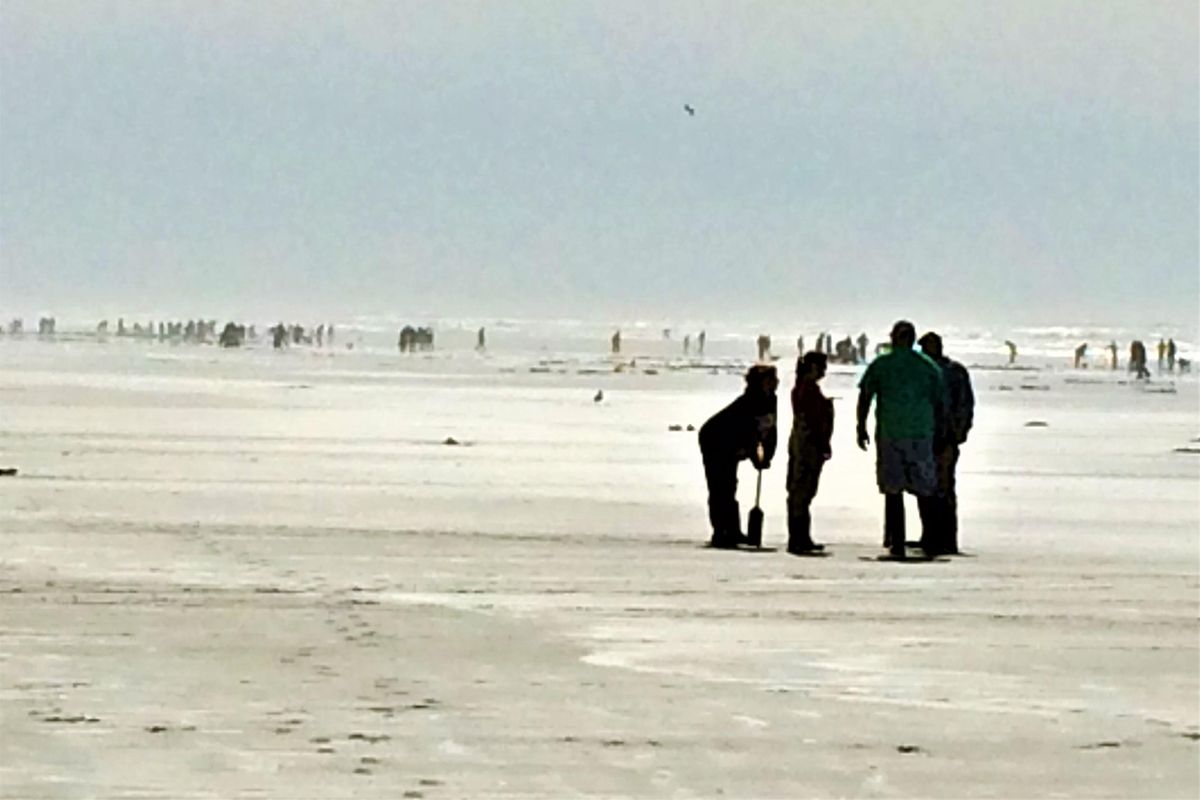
[249, 574]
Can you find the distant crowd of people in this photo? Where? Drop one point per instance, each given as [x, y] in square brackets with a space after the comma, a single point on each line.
[924, 410]
[1168, 357]
[296, 335]
[46, 326]
[844, 351]
[196, 331]
[412, 340]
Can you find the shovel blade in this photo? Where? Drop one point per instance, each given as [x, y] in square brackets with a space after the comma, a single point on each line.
[754, 527]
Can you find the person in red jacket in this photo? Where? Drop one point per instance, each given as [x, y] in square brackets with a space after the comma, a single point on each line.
[808, 450]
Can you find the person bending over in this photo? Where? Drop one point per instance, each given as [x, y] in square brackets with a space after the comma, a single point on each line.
[743, 429]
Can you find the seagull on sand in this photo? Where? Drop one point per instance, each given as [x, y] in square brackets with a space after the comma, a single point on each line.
[691, 111]
[599, 398]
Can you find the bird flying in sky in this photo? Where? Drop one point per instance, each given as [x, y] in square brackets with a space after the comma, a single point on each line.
[691, 111]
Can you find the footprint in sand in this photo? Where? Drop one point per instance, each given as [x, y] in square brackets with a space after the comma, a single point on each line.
[1099, 745]
[387, 711]
[369, 738]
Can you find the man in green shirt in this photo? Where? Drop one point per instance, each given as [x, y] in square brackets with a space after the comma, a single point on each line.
[907, 389]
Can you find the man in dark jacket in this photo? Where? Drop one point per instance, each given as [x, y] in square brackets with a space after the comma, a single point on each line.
[743, 429]
[952, 424]
[808, 450]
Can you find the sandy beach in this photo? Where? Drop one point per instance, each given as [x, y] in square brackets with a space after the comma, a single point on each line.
[246, 574]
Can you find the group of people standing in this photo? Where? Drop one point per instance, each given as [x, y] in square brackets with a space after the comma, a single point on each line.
[1167, 355]
[924, 409]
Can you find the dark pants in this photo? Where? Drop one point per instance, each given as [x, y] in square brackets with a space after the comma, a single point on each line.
[944, 536]
[803, 479]
[893, 520]
[723, 511]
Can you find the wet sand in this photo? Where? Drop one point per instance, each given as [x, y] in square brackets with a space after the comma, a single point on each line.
[235, 575]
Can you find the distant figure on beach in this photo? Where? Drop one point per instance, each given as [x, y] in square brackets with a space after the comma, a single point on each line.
[1112, 354]
[329, 334]
[481, 340]
[616, 343]
[808, 450]
[1137, 359]
[764, 347]
[232, 335]
[800, 345]
[1162, 353]
[700, 343]
[405, 340]
[907, 388]
[743, 429]
[1012, 351]
[1171, 351]
[278, 336]
[321, 335]
[863, 341]
[1080, 354]
[845, 352]
[687, 344]
[952, 423]
[1185, 366]
[102, 328]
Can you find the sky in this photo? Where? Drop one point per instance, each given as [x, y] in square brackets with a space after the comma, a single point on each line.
[1032, 162]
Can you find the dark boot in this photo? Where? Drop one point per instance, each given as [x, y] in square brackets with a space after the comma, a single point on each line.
[893, 523]
[950, 524]
[932, 528]
[723, 512]
[800, 533]
[725, 540]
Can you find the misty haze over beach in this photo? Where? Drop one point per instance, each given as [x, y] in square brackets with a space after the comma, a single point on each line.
[1021, 164]
[353, 356]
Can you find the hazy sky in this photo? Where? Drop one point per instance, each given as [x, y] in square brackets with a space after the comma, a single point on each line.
[1030, 161]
